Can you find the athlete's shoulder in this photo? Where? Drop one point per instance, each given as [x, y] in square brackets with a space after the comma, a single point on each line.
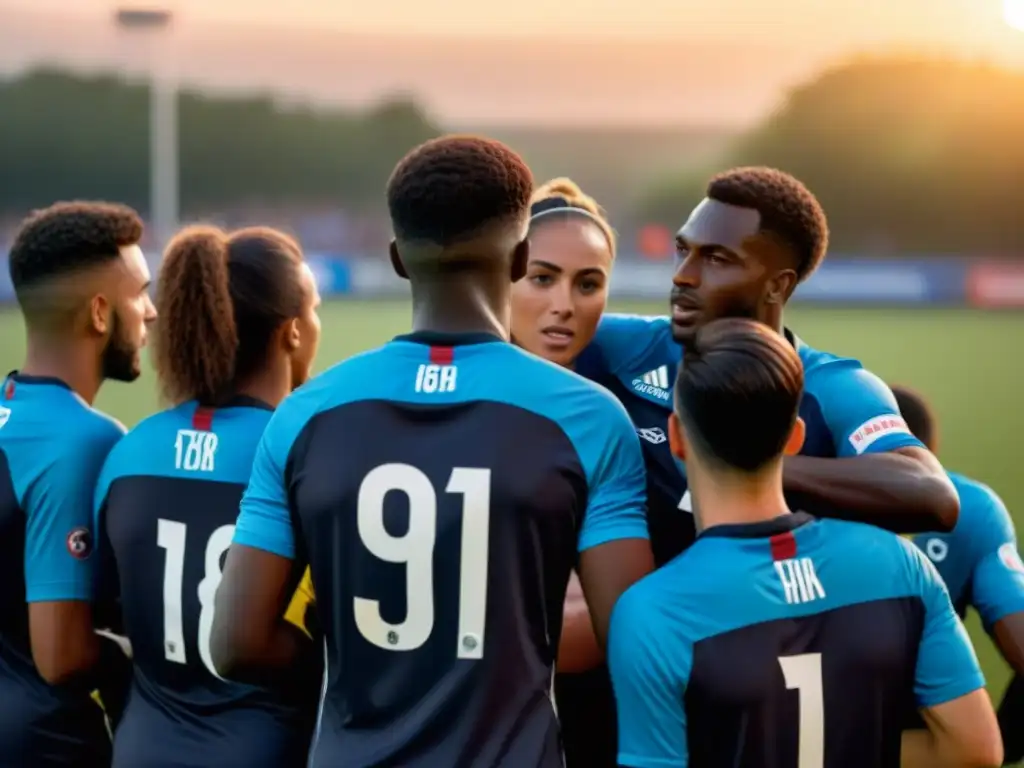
[983, 515]
[629, 342]
[85, 424]
[818, 364]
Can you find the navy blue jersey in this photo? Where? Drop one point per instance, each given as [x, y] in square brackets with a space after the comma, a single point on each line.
[847, 410]
[978, 560]
[441, 487]
[784, 643]
[52, 446]
[166, 507]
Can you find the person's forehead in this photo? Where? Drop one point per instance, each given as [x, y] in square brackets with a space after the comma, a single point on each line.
[714, 222]
[135, 261]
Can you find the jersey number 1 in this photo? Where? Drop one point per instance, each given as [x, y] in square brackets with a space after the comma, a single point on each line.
[803, 674]
[416, 550]
[170, 536]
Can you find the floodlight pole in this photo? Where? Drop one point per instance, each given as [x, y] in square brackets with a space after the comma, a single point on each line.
[163, 117]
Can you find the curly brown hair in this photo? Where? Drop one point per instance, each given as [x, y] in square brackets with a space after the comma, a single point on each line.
[220, 298]
[788, 210]
[66, 238]
[448, 188]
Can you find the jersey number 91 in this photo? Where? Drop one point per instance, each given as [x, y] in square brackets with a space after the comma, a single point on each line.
[415, 550]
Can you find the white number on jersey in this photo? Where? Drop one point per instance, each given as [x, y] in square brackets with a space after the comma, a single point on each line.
[436, 378]
[803, 674]
[194, 450]
[416, 550]
[171, 536]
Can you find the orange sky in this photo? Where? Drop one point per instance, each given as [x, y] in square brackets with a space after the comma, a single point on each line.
[703, 61]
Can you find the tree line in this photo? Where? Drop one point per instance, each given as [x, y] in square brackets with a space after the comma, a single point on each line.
[906, 155]
[69, 136]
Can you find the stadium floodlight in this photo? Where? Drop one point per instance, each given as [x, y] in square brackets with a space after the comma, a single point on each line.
[163, 115]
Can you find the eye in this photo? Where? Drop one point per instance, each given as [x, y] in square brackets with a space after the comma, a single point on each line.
[589, 285]
[541, 279]
[717, 257]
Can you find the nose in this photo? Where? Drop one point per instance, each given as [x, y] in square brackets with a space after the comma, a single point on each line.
[687, 274]
[150, 310]
[561, 300]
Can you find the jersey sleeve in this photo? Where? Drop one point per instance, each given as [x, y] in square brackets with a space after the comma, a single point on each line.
[997, 588]
[264, 519]
[947, 667]
[616, 480]
[59, 527]
[859, 409]
[648, 690]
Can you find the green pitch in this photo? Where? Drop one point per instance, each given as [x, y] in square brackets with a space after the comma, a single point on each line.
[967, 362]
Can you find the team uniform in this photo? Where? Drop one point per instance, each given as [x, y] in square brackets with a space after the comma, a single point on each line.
[847, 410]
[441, 488]
[788, 642]
[166, 505]
[981, 566]
[52, 447]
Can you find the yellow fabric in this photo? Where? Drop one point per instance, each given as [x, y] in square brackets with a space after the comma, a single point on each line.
[301, 600]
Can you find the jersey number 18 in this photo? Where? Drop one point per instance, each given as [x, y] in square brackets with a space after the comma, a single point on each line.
[416, 550]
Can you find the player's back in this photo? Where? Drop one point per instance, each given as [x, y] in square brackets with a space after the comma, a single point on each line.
[167, 503]
[443, 485]
[51, 448]
[791, 642]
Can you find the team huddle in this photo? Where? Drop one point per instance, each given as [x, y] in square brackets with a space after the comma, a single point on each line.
[527, 534]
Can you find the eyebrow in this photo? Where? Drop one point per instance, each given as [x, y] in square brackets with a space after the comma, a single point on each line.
[555, 268]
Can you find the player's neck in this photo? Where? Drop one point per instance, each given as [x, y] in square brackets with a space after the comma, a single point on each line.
[71, 361]
[456, 305]
[270, 386]
[773, 317]
[724, 499]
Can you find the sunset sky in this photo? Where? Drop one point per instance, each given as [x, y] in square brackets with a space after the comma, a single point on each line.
[655, 61]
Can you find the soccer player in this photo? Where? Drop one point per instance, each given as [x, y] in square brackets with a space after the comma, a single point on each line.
[238, 331]
[979, 562]
[555, 312]
[443, 488]
[81, 282]
[776, 639]
[757, 234]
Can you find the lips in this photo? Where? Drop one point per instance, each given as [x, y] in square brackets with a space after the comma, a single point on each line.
[558, 335]
[684, 310]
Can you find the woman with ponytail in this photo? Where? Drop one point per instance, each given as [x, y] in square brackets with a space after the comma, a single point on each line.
[555, 313]
[238, 331]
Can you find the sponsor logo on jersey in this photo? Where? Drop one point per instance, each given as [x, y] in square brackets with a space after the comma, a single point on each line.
[875, 429]
[654, 383]
[79, 543]
[1010, 557]
[653, 435]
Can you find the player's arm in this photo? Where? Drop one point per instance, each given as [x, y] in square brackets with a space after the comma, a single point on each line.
[578, 650]
[59, 562]
[251, 641]
[961, 728]
[997, 581]
[882, 474]
[1011, 715]
[649, 679]
[615, 551]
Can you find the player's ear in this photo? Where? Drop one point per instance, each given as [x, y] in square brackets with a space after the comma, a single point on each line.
[291, 335]
[100, 315]
[796, 438]
[396, 261]
[520, 259]
[676, 439]
[781, 287]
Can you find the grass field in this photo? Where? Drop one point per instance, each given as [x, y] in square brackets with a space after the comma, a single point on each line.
[967, 362]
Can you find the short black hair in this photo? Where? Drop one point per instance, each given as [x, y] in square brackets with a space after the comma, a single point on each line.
[788, 210]
[918, 414]
[449, 187]
[738, 393]
[67, 237]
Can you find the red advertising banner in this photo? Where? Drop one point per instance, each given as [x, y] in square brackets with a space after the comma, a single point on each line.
[995, 285]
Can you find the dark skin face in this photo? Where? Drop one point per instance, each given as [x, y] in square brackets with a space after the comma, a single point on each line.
[728, 267]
